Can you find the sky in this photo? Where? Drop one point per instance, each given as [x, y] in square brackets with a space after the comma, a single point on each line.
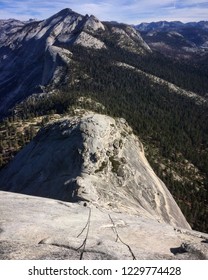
[126, 11]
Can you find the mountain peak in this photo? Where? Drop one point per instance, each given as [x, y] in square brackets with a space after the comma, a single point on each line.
[65, 12]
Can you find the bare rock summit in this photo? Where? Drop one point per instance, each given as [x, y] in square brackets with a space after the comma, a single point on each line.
[83, 189]
[92, 158]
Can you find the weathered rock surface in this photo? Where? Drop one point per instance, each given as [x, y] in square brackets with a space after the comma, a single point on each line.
[107, 201]
[41, 228]
[92, 158]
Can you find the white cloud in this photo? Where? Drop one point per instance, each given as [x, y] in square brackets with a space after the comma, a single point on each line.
[129, 11]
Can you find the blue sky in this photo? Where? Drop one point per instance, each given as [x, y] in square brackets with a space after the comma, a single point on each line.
[127, 11]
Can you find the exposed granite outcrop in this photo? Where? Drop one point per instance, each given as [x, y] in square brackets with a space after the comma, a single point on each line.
[41, 228]
[94, 158]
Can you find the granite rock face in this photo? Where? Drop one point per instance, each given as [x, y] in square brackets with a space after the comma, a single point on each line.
[92, 158]
[83, 189]
[40, 228]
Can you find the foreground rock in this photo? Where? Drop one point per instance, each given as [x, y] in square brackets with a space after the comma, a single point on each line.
[41, 228]
[92, 158]
[105, 200]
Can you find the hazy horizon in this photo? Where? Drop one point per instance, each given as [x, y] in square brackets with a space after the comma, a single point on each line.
[126, 11]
